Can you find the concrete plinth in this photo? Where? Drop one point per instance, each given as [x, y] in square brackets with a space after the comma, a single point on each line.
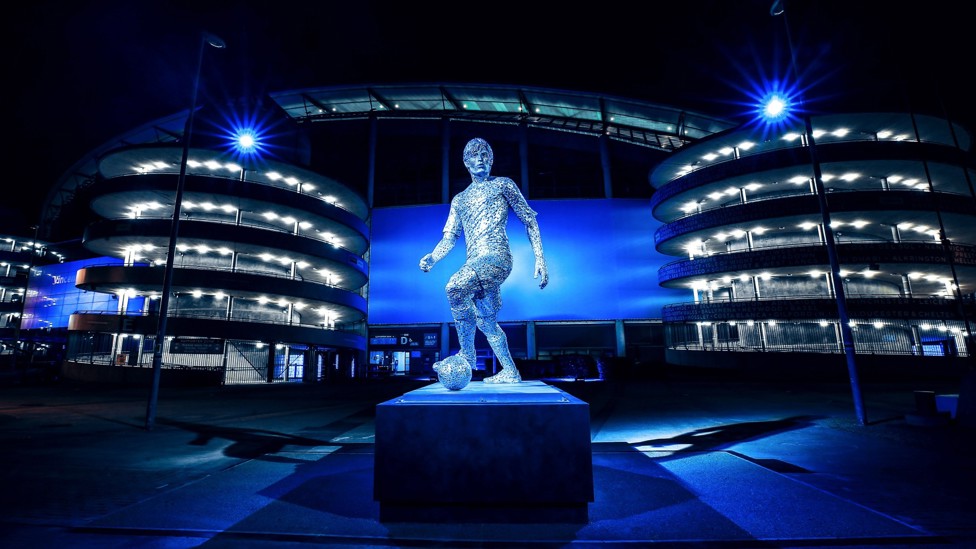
[511, 452]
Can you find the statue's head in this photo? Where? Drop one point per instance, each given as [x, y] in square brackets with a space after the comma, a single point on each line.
[479, 148]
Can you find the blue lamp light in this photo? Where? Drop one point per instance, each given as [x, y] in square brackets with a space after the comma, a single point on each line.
[246, 136]
[246, 141]
[775, 107]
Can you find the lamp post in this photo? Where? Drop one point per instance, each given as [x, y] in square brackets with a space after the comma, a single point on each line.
[206, 39]
[778, 8]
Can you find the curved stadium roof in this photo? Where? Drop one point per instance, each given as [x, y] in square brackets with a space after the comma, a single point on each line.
[638, 123]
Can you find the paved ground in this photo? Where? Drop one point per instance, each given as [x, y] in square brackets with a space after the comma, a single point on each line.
[677, 462]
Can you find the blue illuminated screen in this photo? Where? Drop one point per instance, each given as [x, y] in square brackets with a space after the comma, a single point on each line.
[52, 296]
[600, 254]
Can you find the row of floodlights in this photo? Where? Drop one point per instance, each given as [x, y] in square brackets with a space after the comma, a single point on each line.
[866, 273]
[695, 246]
[233, 167]
[465, 106]
[380, 107]
[168, 338]
[852, 323]
[136, 251]
[257, 344]
[136, 210]
[262, 300]
[910, 182]
[500, 106]
[35, 247]
[727, 151]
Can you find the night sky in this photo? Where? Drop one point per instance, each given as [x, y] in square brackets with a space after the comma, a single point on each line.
[80, 73]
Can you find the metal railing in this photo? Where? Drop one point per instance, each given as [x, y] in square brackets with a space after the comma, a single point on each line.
[870, 337]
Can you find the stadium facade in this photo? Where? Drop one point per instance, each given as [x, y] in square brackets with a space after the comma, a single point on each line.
[280, 274]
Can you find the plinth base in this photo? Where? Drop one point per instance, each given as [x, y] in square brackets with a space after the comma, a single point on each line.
[488, 453]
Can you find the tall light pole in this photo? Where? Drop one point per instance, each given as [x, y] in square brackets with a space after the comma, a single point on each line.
[206, 39]
[778, 8]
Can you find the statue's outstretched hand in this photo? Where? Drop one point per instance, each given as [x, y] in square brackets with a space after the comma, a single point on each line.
[427, 262]
[541, 272]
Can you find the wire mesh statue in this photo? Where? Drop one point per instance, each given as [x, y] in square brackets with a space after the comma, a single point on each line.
[480, 212]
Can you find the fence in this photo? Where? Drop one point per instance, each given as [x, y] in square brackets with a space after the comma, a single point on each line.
[943, 338]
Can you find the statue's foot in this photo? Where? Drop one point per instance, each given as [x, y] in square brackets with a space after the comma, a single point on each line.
[507, 375]
[455, 358]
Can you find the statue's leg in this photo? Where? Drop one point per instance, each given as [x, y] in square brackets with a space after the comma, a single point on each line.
[464, 323]
[487, 315]
[460, 291]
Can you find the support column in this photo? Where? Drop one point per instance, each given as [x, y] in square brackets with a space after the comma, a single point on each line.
[604, 143]
[116, 348]
[223, 362]
[371, 167]
[137, 352]
[269, 376]
[286, 370]
[621, 338]
[524, 156]
[445, 160]
[445, 341]
[531, 350]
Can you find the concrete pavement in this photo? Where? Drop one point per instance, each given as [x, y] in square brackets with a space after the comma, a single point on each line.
[677, 462]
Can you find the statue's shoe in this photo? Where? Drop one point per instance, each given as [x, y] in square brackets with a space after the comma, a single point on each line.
[451, 359]
[507, 375]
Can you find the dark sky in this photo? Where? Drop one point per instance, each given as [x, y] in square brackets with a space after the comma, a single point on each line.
[79, 73]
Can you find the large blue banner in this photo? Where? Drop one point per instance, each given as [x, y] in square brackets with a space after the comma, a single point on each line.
[600, 254]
